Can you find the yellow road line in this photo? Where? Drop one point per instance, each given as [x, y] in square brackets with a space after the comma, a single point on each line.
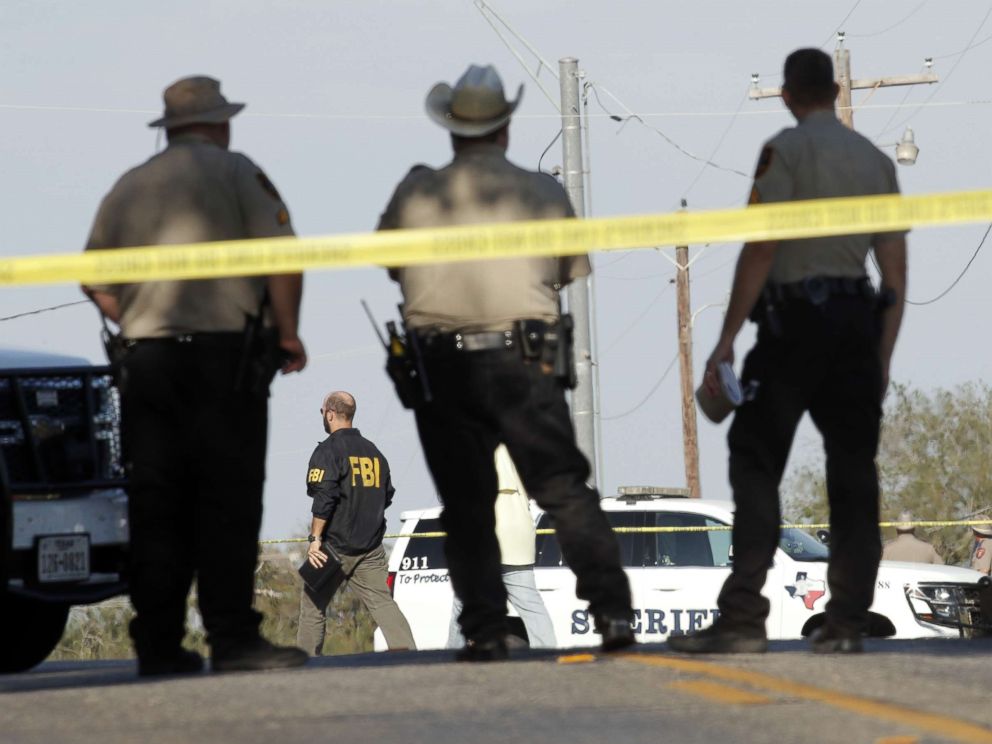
[719, 693]
[946, 727]
[576, 658]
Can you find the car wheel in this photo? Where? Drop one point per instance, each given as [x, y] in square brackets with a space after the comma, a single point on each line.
[33, 629]
[879, 626]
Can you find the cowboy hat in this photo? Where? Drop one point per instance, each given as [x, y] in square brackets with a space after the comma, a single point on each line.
[904, 523]
[983, 529]
[195, 100]
[476, 105]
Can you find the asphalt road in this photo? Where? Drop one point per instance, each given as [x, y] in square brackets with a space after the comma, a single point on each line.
[899, 692]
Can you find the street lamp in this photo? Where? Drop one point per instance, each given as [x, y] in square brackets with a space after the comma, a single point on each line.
[906, 150]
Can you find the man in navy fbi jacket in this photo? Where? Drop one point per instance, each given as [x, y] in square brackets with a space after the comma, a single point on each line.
[348, 480]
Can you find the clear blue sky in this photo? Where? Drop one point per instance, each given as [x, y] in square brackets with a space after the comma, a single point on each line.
[335, 115]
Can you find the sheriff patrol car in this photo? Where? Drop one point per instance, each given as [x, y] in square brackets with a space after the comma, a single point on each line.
[676, 575]
[63, 509]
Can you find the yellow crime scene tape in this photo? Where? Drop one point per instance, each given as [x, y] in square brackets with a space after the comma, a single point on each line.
[708, 528]
[803, 219]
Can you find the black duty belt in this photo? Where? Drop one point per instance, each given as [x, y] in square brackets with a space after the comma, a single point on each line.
[818, 289]
[227, 339]
[457, 341]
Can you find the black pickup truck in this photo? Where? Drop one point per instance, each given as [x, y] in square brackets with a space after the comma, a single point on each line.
[63, 508]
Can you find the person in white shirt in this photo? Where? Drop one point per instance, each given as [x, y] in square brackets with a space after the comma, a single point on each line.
[516, 534]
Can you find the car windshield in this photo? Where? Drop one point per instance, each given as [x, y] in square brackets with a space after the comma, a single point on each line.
[801, 546]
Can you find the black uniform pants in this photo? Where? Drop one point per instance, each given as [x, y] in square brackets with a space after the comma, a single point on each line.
[825, 361]
[196, 451]
[482, 398]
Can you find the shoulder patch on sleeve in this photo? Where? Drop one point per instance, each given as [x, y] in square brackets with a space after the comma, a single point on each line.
[315, 475]
[764, 161]
[268, 186]
[420, 168]
[416, 173]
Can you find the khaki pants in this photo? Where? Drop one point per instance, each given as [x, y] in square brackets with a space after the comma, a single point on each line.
[367, 578]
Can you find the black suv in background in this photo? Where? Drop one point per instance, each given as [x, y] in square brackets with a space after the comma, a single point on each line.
[63, 509]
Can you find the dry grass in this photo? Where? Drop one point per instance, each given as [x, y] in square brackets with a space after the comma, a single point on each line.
[100, 631]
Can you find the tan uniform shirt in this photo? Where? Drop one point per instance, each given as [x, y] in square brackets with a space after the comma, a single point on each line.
[191, 192]
[817, 159]
[981, 556]
[514, 524]
[908, 547]
[480, 185]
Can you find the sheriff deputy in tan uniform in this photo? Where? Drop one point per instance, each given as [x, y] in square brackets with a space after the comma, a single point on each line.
[908, 547]
[981, 555]
[825, 341]
[194, 398]
[488, 331]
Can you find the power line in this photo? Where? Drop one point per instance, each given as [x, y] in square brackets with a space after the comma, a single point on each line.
[885, 30]
[959, 277]
[486, 12]
[516, 116]
[647, 397]
[639, 278]
[550, 145]
[631, 116]
[841, 24]
[966, 49]
[640, 316]
[622, 257]
[716, 147]
[895, 112]
[45, 310]
[940, 85]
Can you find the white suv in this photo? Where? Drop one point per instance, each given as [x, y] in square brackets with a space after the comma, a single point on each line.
[676, 576]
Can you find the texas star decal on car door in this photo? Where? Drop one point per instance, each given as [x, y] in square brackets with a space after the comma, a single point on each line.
[807, 590]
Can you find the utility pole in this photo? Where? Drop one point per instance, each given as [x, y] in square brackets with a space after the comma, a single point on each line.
[584, 409]
[690, 439]
[842, 72]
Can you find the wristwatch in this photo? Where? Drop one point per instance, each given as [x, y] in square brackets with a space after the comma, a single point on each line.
[313, 538]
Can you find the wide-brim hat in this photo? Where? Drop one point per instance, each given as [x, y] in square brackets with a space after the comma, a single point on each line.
[475, 106]
[905, 519]
[983, 529]
[195, 100]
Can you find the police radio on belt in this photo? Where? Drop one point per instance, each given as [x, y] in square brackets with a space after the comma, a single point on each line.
[404, 364]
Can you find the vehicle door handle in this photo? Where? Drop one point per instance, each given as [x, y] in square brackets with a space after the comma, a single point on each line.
[663, 589]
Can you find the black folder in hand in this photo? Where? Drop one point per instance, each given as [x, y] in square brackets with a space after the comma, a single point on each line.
[326, 579]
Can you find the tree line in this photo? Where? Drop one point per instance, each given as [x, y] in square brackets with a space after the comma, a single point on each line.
[934, 460]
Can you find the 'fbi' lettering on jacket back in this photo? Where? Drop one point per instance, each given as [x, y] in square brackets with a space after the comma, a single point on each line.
[365, 469]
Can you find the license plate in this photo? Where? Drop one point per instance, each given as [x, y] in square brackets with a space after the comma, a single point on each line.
[63, 558]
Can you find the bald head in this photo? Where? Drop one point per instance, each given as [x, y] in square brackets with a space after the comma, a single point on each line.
[338, 410]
